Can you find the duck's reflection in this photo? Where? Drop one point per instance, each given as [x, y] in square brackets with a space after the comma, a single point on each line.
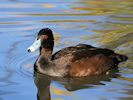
[43, 85]
[71, 84]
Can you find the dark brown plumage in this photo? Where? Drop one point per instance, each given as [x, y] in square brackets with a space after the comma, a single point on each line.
[74, 61]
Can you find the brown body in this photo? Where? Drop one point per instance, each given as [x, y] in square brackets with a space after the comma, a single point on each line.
[78, 61]
[74, 61]
[91, 66]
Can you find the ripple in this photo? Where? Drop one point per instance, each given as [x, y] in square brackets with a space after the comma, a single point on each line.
[23, 65]
[19, 63]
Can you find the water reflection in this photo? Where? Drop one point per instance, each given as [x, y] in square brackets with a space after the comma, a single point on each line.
[70, 84]
[43, 84]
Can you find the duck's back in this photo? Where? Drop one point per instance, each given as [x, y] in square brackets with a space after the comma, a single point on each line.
[71, 50]
[86, 60]
[81, 51]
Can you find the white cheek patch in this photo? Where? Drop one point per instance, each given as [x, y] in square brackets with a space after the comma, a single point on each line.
[35, 46]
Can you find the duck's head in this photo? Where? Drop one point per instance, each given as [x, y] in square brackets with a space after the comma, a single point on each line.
[44, 39]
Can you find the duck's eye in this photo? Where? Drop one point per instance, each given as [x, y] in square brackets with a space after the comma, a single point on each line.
[37, 39]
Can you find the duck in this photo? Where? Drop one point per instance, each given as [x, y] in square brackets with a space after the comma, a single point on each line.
[74, 61]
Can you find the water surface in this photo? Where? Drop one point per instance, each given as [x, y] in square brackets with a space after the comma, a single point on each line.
[101, 23]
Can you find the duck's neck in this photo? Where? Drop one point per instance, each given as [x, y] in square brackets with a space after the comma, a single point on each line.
[46, 49]
[44, 60]
[46, 53]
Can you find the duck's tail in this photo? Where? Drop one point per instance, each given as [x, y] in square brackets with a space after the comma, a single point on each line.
[117, 58]
[121, 58]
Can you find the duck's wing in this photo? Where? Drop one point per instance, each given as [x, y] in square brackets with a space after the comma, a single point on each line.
[81, 51]
[85, 46]
[104, 51]
[64, 52]
[71, 50]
